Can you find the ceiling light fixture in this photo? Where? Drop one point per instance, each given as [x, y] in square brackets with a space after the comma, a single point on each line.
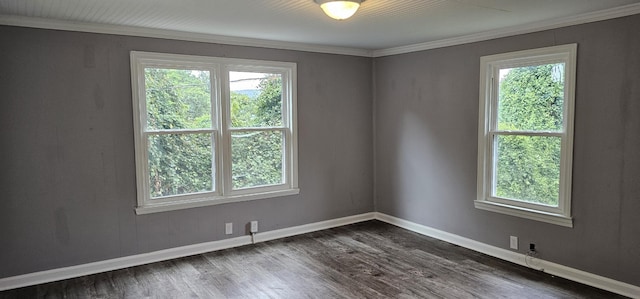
[339, 10]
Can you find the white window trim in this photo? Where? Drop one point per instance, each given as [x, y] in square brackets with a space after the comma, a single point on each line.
[489, 66]
[221, 130]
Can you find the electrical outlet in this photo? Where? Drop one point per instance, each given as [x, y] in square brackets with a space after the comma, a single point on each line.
[254, 226]
[228, 228]
[513, 242]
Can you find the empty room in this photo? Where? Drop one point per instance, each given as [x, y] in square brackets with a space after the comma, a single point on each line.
[320, 149]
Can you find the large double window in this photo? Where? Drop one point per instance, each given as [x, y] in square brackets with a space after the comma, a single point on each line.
[212, 130]
[525, 141]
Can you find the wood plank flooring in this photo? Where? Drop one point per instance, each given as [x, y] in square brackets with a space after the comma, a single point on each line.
[365, 260]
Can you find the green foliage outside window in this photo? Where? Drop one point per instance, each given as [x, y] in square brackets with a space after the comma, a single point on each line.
[180, 162]
[256, 159]
[528, 167]
[178, 99]
[257, 156]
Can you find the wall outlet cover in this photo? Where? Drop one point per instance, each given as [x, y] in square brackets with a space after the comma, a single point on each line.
[254, 226]
[513, 242]
[228, 228]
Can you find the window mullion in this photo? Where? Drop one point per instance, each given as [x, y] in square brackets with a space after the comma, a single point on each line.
[217, 149]
[493, 125]
[225, 113]
[528, 133]
[258, 129]
[493, 94]
[182, 131]
[492, 173]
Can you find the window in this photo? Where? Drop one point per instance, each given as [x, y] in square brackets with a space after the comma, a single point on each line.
[212, 130]
[525, 138]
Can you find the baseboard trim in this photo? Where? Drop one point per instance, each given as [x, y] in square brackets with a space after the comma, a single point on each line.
[580, 276]
[312, 227]
[178, 252]
[35, 278]
[118, 263]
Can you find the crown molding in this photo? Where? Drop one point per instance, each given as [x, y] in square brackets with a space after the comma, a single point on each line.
[612, 13]
[21, 21]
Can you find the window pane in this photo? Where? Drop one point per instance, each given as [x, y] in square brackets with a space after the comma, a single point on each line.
[177, 99]
[528, 169]
[180, 164]
[256, 159]
[256, 99]
[531, 98]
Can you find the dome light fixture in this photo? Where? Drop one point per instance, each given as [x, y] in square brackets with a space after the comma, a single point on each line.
[339, 9]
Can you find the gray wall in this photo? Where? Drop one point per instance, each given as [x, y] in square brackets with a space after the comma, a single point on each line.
[426, 113]
[68, 181]
[67, 157]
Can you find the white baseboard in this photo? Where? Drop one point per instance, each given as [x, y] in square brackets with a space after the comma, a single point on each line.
[167, 254]
[172, 253]
[118, 263]
[580, 276]
[312, 227]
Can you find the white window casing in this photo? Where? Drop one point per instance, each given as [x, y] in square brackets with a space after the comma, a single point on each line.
[220, 131]
[488, 133]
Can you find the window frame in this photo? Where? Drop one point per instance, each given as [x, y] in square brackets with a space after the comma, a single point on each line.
[487, 134]
[220, 130]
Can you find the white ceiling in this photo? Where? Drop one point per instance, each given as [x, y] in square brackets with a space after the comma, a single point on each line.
[379, 24]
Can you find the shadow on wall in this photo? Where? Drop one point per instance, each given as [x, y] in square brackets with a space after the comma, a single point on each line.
[427, 168]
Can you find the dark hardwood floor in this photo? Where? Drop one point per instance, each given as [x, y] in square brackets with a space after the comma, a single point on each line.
[365, 260]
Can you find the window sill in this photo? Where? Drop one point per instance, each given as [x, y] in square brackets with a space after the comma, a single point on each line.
[210, 201]
[552, 218]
